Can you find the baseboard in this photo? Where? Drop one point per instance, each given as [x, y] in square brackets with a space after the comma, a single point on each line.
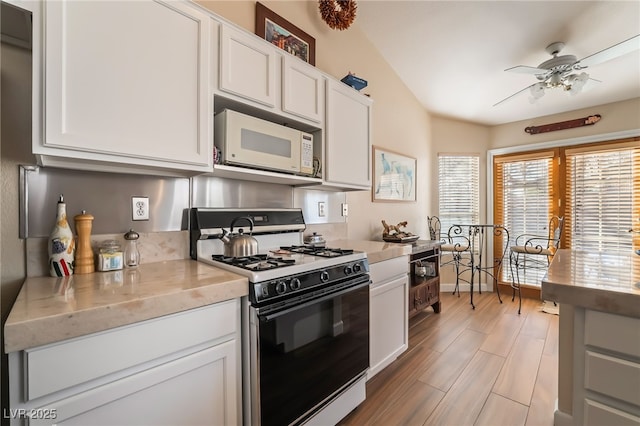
[561, 419]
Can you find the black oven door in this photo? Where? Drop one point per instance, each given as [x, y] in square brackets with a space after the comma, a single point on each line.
[309, 351]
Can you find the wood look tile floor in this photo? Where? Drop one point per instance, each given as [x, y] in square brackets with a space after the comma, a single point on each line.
[488, 366]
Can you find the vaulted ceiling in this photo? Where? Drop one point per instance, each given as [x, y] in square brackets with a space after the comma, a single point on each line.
[453, 54]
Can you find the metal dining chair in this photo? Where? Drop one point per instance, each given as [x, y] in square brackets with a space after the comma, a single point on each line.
[533, 252]
[454, 243]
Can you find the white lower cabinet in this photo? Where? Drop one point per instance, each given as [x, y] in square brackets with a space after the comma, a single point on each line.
[180, 369]
[607, 369]
[388, 323]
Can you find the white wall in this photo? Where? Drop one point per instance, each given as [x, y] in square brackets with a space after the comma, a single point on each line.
[616, 117]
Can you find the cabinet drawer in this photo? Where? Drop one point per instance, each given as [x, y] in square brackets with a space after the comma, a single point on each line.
[598, 332]
[611, 376]
[58, 366]
[382, 271]
[600, 414]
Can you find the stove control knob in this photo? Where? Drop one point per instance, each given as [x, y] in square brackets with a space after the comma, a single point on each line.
[281, 287]
[348, 270]
[324, 276]
[265, 291]
[294, 284]
[357, 267]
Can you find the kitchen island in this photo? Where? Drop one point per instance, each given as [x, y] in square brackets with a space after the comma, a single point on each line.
[599, 336]
[113, 347]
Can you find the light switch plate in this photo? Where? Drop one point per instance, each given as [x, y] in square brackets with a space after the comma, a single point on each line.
[322, 209]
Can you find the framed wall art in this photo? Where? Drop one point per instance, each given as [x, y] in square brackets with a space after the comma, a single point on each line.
[394, 176]
[282, 33]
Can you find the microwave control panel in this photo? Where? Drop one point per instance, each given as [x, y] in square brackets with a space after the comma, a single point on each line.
[306, 154]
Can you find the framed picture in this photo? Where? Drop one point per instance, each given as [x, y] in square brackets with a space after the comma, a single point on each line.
[394, 176]
[277, 30]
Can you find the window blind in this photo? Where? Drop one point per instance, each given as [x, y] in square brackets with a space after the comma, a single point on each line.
[602, 198]
[459, 189]
[524, 194]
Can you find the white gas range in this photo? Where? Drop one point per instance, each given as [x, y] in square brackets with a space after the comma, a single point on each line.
[306, 325]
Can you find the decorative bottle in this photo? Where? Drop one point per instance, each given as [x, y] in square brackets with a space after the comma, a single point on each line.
[61, 245]
[131, 253]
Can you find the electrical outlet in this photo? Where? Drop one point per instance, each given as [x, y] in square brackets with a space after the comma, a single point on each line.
[140, 208]
[322, 209]
[345, 209]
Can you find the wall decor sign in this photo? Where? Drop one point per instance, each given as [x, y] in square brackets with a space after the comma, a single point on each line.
[394, 176]
[282, 33]
[562, 125]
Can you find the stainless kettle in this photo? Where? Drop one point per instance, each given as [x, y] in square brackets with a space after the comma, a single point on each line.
[240, 244]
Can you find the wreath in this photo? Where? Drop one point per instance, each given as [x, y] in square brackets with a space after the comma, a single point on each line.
[338, 14]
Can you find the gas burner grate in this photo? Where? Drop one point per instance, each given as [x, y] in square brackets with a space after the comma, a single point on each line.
[318, 251]
[258, 262]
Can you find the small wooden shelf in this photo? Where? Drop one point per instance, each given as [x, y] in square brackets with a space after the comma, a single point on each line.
[424, 291]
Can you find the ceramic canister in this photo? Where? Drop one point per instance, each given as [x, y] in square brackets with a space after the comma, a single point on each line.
[61, 244]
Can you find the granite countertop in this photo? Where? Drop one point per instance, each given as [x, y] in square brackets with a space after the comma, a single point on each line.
[377, 251]
[598, 281]
[50, 309]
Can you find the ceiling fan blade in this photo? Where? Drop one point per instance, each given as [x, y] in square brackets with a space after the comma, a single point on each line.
[609, 53]
[515, 94]
[523, 69]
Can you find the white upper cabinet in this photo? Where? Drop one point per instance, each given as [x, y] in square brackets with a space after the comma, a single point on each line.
[302, 89]
[247, 67]
[347, 161]
[250, 69]
[125, 84]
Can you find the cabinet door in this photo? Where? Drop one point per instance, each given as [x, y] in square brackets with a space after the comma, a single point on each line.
[247, 66]
[198, 389]
[348, 135]
[128, 79]
[302, 89]
[388, 323]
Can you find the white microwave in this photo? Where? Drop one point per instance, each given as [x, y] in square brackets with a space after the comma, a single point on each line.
[251, 142]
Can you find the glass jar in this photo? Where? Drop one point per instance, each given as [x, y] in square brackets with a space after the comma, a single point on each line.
[131, 253]
[110, 256]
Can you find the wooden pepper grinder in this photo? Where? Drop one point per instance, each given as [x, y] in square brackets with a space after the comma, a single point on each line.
[84, 252]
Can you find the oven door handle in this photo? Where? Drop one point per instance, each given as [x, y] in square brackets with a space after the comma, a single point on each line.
[312, 301]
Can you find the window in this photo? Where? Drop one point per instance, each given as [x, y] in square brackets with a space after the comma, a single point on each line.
[459, 189]
[600, 197]
[595, 187]
[525, 203]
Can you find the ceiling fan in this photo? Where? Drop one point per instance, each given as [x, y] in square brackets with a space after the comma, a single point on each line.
[565, 71]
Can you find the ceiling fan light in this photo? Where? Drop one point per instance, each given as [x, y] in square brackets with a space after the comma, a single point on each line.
[537, 91]
[555, 80]
[577, 81]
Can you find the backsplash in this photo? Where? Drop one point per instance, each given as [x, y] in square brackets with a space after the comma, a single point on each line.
[106, 196]
[153, 247]
[165, 236]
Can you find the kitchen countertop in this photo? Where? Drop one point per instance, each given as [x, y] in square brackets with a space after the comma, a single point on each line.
[377, 251]
[598, 281]
[51, 309]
